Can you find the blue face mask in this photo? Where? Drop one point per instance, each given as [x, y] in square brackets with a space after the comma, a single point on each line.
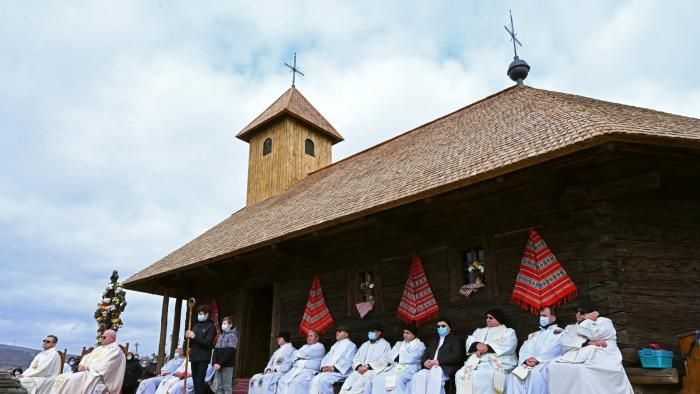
[442, 331]
[544, 321]
[201, 317]
[224, 327]
[372, 336]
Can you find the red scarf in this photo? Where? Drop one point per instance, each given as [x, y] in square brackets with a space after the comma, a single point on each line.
[316, 317]
[417, 303]
[541, 280]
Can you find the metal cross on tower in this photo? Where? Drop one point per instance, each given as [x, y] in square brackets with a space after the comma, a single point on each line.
[512, 34]
[294, 69]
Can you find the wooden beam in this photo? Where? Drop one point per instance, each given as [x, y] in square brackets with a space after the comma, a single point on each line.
[175, 336]
[163, 331]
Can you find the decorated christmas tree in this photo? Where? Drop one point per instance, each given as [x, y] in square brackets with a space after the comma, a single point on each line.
[110, 308]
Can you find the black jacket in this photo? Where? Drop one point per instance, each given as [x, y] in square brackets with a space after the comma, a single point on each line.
[451, 355]
[201, 344]
[132, 373]
[224, 356]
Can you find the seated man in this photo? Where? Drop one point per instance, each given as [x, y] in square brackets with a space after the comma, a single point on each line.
[541, 347]
[591, 362]
[366, 362]
[337, 364]
[491, 353]
[306, 362]
[100, 371]
[266, 382]
[176, 386]
[150, 385]
[399, 364]
[440, 361]
[44, 366]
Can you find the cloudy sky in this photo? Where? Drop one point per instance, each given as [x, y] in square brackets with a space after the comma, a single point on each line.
[117, 117]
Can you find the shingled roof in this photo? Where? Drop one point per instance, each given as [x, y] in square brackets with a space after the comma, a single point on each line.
[513, 129]
[294, 103]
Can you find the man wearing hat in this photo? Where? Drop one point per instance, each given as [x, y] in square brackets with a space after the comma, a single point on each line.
[336, 365]
[442, 358]
[492, 356]
[366, 361]
[266, 382]
[592, 362]
[398, 366]
[305, 363]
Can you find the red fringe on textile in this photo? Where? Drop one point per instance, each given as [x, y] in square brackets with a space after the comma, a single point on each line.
[535, 309]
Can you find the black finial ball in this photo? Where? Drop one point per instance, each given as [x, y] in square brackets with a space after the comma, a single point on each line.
[518, 69]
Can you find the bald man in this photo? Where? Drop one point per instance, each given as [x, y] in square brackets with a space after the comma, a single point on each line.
[100, 371]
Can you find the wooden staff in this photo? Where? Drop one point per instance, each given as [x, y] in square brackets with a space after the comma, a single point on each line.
[190, 305]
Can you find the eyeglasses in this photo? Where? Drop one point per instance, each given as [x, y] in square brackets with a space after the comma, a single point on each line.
[581, 311]
[442, 325]
[490, 318]
[47, 341]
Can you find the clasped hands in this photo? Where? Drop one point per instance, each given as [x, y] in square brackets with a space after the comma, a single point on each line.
[327, 368]
[481, 349]
[362, 369]
[531, 362]
[431, 363]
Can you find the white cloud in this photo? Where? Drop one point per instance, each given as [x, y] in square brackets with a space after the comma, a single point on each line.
[117, 119]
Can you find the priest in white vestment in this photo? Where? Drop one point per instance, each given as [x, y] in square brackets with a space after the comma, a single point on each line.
[44, 366]
[150, 385]
[306, 362]
[266, 382]
[541, 347]
[367, 361]
[336, 365]
[491, 357]
[174, 384]
[398, 365]
[99, 372]
[592, 362]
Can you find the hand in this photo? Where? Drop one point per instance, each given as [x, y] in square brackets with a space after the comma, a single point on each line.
[481, 348]
[362, 369]
[598, 343]
[81, 368]
[591, 316]
[531, 362]
[217, 367]
[189, 334]
[327, 368]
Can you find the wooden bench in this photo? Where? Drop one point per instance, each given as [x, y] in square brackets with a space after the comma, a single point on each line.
[657, 381]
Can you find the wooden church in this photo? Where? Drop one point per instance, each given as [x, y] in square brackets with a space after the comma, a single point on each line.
[613, 189]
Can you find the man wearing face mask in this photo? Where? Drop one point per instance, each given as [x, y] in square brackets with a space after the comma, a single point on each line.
[541, 347]
[73, 364]
[132, 373]
[440, 361]
[337, 363]
[201, 337]
[149, 386]
[366, 362]
[224, 357]
[491, 353]
[592, 362]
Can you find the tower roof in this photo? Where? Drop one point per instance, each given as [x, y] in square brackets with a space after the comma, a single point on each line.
[293, 103]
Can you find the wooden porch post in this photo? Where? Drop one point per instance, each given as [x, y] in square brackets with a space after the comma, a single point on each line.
[163, 331]
[175, 336]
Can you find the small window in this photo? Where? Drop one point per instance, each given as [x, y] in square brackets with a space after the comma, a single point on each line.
[474, 266]
[309, 147]
[366, 280]
[267, 146]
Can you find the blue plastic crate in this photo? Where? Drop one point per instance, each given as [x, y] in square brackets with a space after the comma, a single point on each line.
[656, 358]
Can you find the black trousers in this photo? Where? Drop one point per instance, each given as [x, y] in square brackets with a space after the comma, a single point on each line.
[199, 372]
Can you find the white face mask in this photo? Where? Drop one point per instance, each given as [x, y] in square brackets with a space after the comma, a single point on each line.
[224, 327]
[177, 355]
[129, 358]
[544, 320]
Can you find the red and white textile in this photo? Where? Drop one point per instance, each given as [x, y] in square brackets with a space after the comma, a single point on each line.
[417, 303]
[541, 280]
[317, 316]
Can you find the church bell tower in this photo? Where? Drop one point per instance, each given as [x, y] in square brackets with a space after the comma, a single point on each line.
[287, 141]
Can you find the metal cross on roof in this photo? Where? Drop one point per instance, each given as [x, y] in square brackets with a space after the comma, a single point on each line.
[512, 34]
[294, 69]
